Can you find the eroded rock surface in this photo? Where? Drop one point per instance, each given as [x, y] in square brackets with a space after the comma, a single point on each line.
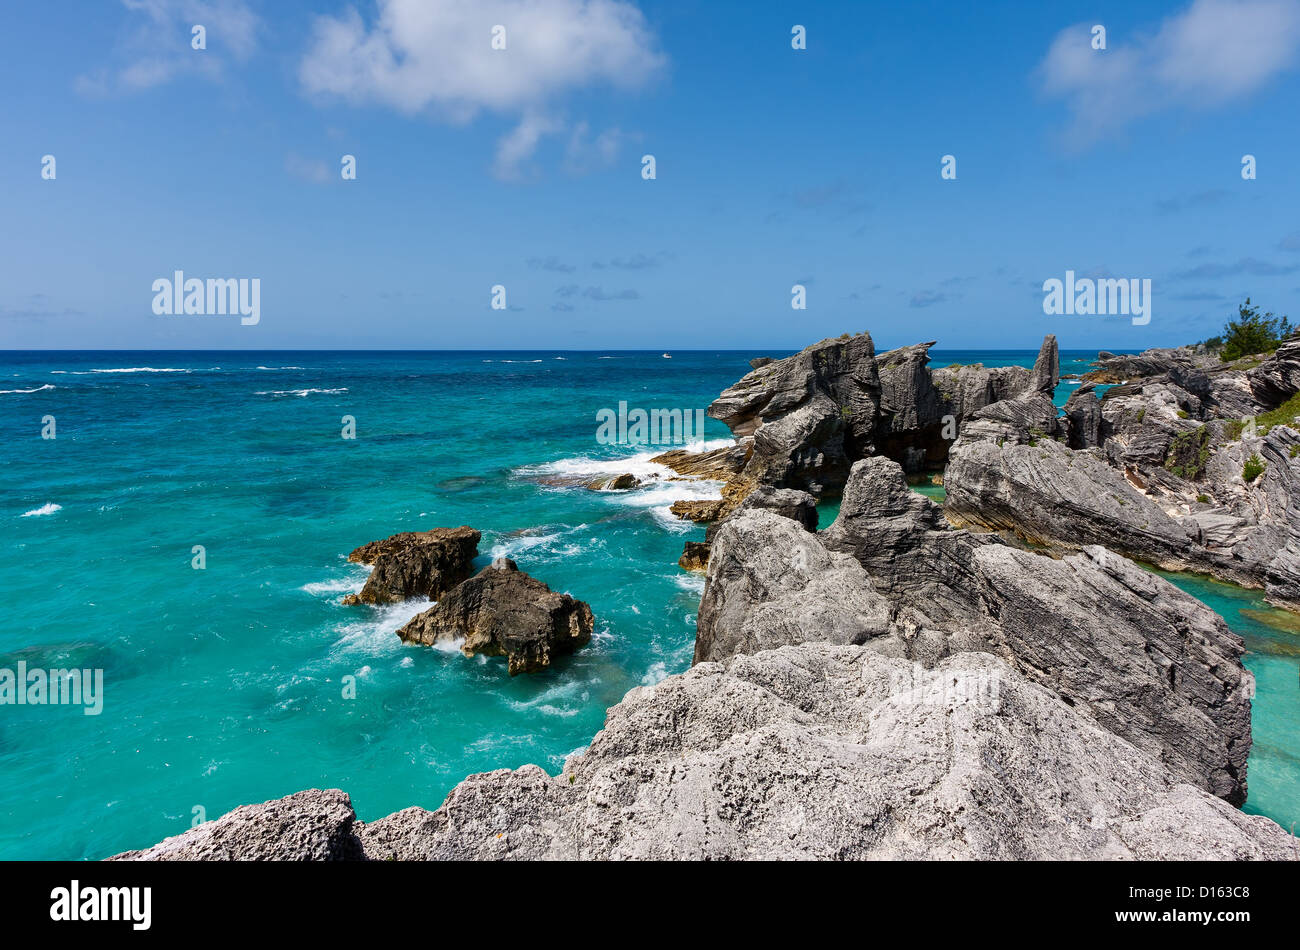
[415, 564]
[828, 752]
[1140, 657]
[502, 611]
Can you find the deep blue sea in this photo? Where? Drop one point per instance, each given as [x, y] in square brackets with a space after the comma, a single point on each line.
[227, 685]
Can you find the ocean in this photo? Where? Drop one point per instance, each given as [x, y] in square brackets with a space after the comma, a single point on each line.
[247, 680]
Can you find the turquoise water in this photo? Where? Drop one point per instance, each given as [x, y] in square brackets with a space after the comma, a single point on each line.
[1273, 640]
[225, 686]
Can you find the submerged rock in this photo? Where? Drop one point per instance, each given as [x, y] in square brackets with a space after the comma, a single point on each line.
[828, 752]
[623, 482]
[415, 564]
[502, 611]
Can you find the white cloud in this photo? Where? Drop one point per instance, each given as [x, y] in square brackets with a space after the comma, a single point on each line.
[1209, 54]
[156, 47]
[435, 57]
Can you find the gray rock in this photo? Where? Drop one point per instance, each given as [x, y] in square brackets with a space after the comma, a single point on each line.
[313, 825]
[502, 611]
[832, 752]
[1147, 661]
[771, 583]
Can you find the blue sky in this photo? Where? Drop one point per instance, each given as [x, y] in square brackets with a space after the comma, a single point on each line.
[775, 166]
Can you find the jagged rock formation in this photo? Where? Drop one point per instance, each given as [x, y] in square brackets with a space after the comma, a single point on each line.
[802, 421]
[1146, 661]
[823, 752]
[798, 506]
[1155, 469]
[313, 825]
[415, 564]
[502, 611]
[813, 414]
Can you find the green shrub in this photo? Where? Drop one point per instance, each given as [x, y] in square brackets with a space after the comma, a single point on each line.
[1183, 414]
[1203, 499]
[1188, 453]
[1295, 450]
[1253, 333]
[1253, 468]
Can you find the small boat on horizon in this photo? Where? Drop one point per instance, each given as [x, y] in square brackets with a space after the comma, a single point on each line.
[667, 357]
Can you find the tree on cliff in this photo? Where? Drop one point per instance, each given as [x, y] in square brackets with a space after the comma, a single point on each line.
[1251, 333]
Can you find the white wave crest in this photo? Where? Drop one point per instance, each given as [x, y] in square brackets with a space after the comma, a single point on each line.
[47, 509]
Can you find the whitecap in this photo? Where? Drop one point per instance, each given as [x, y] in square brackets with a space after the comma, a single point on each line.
[47, 509]
[36, 390]
[299, 392]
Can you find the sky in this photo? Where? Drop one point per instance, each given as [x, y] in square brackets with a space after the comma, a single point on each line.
[522, 168]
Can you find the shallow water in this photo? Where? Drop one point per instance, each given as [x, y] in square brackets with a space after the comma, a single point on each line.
[226, 686]
[1273, 643]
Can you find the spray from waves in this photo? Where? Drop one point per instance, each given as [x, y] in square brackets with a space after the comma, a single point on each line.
[273, 369]
[547, 543]
[375, 630]
[339, 585]
[5, 392]
[298, 392]
[46, 509]
[584, 468]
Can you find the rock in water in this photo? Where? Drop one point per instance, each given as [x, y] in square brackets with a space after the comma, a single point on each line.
[415, 564]
[623, 482]
[825, 752]
[501, 611]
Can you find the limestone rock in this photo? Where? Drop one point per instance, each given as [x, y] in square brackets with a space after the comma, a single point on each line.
[415, 564]
[313, 825]
[502, 611]
[830, 752]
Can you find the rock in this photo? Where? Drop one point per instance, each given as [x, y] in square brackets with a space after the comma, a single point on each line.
[790, 503]
[695, 557]
[1152, 664]
[813, 414]
[809, 414]
[616, 483]
[1112, 368]
[717, 464]
[1051, 495]
[1277, 378]
[771, 582]
[308, 826]
[1083, 414]
[502, 611]
[1137, 477]
[832, 752]
[415, 564]
[759, 361]
[698, 511]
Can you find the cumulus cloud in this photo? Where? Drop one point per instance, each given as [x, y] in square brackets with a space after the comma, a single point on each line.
[436, 57]
[156, 49]
[1210, 54]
